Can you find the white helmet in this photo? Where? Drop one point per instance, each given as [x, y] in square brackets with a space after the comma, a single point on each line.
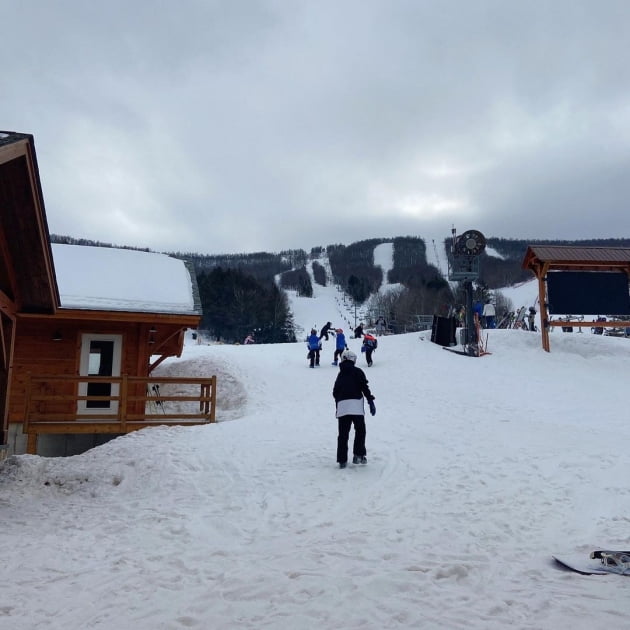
[348, 355]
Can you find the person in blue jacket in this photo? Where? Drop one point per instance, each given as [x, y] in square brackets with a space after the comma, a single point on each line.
[314, 346]
[340, 344]
[478, 310]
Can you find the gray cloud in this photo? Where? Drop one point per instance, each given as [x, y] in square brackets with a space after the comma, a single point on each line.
[264, 125]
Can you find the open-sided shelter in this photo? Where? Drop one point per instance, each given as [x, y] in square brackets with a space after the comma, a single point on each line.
[82, 328]
[576, 280]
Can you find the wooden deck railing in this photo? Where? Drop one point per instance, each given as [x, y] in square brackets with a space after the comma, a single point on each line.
[53, 404]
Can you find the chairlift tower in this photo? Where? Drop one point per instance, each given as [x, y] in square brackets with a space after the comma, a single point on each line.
[463, 266]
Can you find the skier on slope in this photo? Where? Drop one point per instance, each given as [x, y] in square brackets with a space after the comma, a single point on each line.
[350, 387]
[340, 344]
[370, 344]
[325, 330]
[314, 346]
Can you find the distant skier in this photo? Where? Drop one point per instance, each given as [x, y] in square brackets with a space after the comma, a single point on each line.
[369, 345]
[325, 330]
[460, 315]
[530, 318]
[314, 346]
[340, 344]
[478, 310]
[351, 386]
[489, 315]
[249, 339]
[358, 331]
[381, 325]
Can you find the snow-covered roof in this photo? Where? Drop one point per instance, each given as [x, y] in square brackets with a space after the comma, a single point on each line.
[110, 279]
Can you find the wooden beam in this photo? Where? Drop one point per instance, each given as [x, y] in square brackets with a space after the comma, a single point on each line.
[542, 304]
[31, 444]
[186, 321]
[580, 323]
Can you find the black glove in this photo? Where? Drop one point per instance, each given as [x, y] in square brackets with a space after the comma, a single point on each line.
[372, 408]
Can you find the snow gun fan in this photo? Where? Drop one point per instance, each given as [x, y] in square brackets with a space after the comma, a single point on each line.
[463, 266]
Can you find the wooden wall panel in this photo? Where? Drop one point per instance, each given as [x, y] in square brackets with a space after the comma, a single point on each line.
[37, 353]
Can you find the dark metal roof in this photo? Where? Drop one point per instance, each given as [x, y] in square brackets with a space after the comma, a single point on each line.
[589, 257]
[9, 137]
[572, 253]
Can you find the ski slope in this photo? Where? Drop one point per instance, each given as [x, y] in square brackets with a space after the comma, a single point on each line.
[479, 470]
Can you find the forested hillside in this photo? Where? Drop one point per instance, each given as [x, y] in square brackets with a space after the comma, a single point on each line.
[424, 290]
[236, 304]
[240, 295]
[497, 273]
[353, 269]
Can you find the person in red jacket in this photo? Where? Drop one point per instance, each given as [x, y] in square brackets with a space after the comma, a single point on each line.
[370, 344]
[349, 390]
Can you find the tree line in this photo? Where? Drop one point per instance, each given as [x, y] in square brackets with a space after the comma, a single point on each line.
[423, 290]
[235, 304]
[240, 295]
[353, 270]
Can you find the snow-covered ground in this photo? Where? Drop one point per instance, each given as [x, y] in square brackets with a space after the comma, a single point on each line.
[479, 469]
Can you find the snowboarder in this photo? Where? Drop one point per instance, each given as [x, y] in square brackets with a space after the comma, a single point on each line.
[369, 345]
[350, 387]
[340, 344]
[325, 330]
[314, 346]
[358, 331]
[249, 339]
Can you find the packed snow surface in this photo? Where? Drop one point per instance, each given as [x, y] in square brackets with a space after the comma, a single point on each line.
[479, 470]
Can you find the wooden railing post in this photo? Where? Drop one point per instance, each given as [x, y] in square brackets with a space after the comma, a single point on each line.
[213, 406]
[122, 404]
[28, 390]
[31, 444]
[49, 411]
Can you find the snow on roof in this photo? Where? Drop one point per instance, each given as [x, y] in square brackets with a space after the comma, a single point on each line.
[110, 279]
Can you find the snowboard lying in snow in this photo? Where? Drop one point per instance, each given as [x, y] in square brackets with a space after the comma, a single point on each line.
[600, 562]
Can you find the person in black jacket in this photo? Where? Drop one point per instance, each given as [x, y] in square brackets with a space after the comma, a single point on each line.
[351, 386]
[325, 330]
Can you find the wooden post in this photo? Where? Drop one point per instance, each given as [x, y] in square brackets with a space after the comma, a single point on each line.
[544, 315]
[31, 444]
[214, 398]
[122, 404]
[28, 390]
[541, 273]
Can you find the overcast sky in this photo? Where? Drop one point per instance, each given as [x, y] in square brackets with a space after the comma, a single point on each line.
[220, 126]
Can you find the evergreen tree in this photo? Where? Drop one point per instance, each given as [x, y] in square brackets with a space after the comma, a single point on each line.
[235, 304]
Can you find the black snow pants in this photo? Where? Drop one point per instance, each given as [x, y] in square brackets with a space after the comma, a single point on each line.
[345, 423]
[368, 356]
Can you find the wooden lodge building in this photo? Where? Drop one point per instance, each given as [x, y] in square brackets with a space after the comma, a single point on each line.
[83, 328]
